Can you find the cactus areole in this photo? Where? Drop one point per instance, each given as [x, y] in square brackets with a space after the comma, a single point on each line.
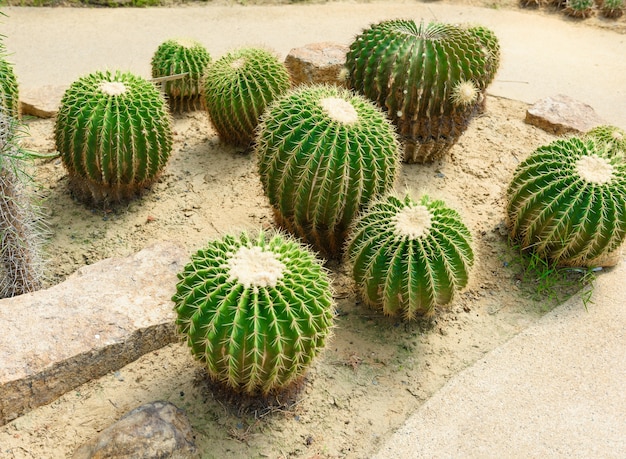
[113, 131]
[567, 203]
[255, 310]
[323, 154]
[429, 78]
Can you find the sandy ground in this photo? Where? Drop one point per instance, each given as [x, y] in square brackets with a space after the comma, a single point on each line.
[375, 372]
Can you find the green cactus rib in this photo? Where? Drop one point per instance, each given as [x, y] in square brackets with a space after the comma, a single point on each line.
[237, 89]
[112, 145]
[409, 274]
[318, 170]
[257, 331]
[411, 71]
[178, 56]
[9, 89]
[559, 213]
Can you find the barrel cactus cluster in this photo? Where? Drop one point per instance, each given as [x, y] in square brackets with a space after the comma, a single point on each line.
[114, 134]
[255, 309]
[237, 89]
[429, 78]
[181, 63]
[323, 154]
[567, 203]
[409, 256]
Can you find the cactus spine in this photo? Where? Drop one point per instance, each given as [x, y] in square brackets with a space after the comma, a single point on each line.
[255, 310]
[323, 154]
[567, 203]
[237, 89]
[179, 56]
[114, 133]
[427, 77]
[408, 257]
[21, 264]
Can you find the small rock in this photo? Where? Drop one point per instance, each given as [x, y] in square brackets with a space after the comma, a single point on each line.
[155, 430]
[41, 102]
[318, 63]
[561, 114]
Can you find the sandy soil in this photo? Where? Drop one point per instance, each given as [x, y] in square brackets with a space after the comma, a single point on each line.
[375, 372]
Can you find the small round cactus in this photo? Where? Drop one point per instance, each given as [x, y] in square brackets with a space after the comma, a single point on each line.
[21, 229]
[179, 56]
[324, 153]
[114, 133]
[409, 256]
[567, 203]
[580, 9]
[237, 89]
[429, 79]
[491, 48]
[613, 137]
[9, 89]
[612, 9]
[255, 309]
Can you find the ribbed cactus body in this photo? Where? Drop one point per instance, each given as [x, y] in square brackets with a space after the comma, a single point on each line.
[409, 256]
[323, 154]
[237, 89]
[427, 77]
[256, 310]
[579, 8]
[612, 9]
[613, 137]
[175, 57]
[567, 203]
[9, 89]
[114, 133]
[21, 267]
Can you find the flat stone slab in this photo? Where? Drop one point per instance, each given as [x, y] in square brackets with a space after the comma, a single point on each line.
[561, 114]
[101, 318]
[318, 63]
[42, 102]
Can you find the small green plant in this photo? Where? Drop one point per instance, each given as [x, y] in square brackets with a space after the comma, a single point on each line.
[237, 89]
[567, 203]
[323, 154]
[114, 133]
[428, 78]
[409, 256]
[176, 57]
[613, 137]
[612, 9]
[580, 9]
[255, 310]
[21, 228]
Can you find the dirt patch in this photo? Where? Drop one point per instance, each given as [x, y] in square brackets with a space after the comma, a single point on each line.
[375, 372]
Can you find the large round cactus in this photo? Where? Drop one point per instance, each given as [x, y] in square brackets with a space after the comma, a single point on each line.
[255, 310]
[613, 137]
[408, 257]
[237, 89]
[180, 56]
[9, 90]
[429, 79]
[323, 154]
[114, 133]
[567, 203]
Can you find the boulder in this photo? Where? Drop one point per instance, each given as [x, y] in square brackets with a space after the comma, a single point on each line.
[157, 430]
[101, 318]
[41, 102]
[317, 63]
[561, 114]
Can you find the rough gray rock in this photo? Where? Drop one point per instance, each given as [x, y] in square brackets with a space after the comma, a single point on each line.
[101, 318]
[561, 114]
[317, 63]
[156, 430]
[42, 102]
